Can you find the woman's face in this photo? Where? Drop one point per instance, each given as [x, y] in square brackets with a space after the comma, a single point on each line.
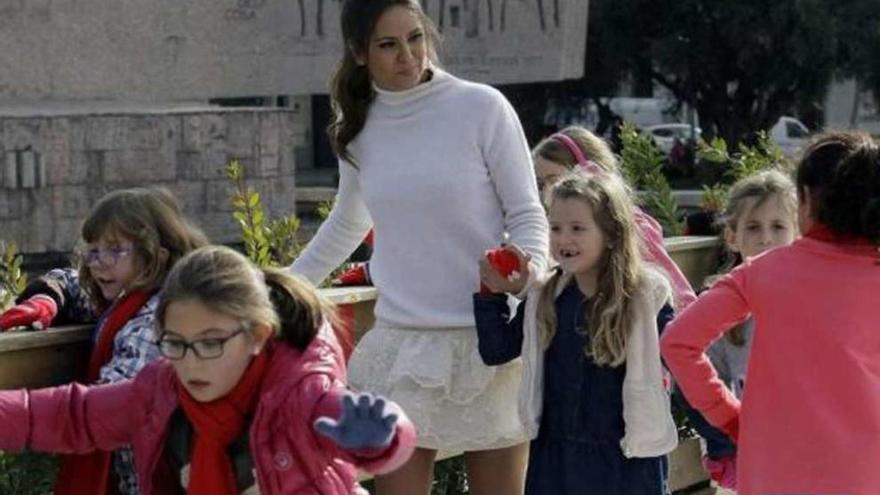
[228, 346]
[397, 52]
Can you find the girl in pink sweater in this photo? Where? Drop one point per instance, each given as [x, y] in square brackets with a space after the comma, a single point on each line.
[809, 422]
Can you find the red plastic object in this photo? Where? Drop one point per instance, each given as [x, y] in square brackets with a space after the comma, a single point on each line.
[505, 262]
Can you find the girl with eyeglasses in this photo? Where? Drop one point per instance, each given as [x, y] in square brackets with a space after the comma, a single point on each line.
[130, 240]
[251, 397]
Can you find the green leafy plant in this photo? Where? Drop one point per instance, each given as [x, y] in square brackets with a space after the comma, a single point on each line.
[27, 473]
[267, 242]
[642, 166]
[323, 211]
[746, 161]
[12, 278]
[450, 478]
[714, 197]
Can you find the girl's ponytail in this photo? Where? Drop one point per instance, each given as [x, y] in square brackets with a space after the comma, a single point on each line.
[227, 282]
[301, 311]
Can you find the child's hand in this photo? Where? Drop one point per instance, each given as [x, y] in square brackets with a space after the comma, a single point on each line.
[36, 312]
[505, 269]
[362, 425]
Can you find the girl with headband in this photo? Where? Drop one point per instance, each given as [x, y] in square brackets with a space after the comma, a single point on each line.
[577, 148]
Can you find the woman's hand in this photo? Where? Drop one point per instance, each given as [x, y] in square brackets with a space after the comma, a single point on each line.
[505, 269]
[363, 423]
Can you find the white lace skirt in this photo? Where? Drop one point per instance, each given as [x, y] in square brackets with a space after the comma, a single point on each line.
[436, 375]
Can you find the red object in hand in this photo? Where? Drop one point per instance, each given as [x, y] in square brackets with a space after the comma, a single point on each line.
[505, 262]
[356, 275]
[36, 312]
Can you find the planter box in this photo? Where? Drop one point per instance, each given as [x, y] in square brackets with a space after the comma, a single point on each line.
[37, 359]
[697, 256]
[58, 355]
[685, 467]
[40, 359]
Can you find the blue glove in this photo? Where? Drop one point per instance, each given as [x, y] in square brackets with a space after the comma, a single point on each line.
[360, 426]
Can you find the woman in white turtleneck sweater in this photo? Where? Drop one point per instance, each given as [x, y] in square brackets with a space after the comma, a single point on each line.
[440, 168]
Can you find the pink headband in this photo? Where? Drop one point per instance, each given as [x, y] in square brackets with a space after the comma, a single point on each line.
[587, 165]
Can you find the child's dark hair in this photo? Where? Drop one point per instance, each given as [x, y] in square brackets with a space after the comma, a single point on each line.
[154, 222]
[226, 282]
[841, 173]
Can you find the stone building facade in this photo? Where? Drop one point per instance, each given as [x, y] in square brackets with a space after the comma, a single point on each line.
[53, 168]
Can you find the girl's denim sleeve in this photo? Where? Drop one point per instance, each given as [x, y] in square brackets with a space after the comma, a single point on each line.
[665, 315]
[62, 285]
[500, 338]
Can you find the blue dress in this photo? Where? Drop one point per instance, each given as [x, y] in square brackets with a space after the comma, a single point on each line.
[577, 450]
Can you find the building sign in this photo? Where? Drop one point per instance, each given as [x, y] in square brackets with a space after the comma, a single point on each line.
[161, 50]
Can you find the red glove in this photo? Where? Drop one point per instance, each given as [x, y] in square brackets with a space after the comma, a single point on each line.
[358, 274]
[504, 261]
[36, 312]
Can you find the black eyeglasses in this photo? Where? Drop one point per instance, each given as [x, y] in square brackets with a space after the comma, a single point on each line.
[212, 348]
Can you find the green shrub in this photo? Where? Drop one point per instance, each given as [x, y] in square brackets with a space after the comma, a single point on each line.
[268, 242]
[22, 473]
[641, 163]
[12, 279]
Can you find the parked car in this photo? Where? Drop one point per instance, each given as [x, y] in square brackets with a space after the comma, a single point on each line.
[790, 134]
[666, 134]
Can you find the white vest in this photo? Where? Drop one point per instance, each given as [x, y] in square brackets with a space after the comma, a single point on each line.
[649, 428]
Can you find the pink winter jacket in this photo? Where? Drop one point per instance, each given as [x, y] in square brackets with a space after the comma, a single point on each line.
[810, 417]
[289, 456]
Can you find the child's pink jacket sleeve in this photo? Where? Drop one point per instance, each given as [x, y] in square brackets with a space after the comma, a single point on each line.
[652, 239]
[69, 419]
[686, 339]
[376, 461]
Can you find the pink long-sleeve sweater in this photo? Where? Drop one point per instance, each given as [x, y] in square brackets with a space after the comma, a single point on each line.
[810, 416]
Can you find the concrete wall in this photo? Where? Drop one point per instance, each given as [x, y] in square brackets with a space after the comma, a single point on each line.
[160, 50]
[54, 168]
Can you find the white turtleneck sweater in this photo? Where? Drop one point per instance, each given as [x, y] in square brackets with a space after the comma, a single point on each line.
[443, 171]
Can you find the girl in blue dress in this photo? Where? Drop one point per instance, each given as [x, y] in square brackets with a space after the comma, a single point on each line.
[593, 395]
